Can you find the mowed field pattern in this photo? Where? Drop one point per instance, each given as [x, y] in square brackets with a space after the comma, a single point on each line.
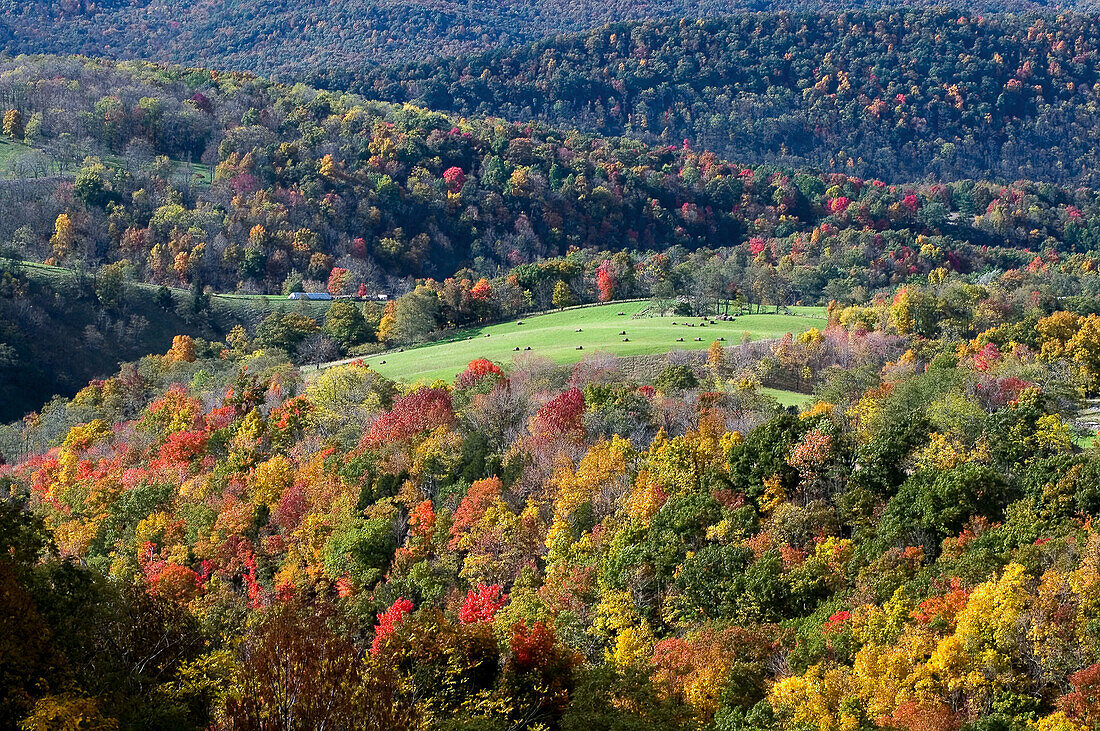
[597, 329]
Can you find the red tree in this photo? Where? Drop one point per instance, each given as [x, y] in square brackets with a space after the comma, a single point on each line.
[482, 604]
[475, 371]
[455, 178]
[181, 448]
[605, 281]
[531, 646]
[337, 280]
[389, 620]
[560, 416]
[1083, 702]
[479, 497]
[421, 410]
[176, 583]
[482, 291]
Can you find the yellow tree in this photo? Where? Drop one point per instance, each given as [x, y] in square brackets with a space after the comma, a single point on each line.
[270, 479]
[1084, 349]
[182, 350]
[715, 358]
[63, 237]
[824, 698]
[13, 124]
[599, 481]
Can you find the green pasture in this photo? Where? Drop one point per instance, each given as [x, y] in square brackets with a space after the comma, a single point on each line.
[10, 151]
[557, 336]
[789, 398]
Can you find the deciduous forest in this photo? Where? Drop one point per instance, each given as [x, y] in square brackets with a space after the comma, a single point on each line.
[221, 508]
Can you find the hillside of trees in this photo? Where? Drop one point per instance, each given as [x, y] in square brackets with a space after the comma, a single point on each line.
[60, 329]
[325, 189]
[214, 537]
[218, 182]
[206, 540]
[897, 95]
[924, 93]
[289, 39]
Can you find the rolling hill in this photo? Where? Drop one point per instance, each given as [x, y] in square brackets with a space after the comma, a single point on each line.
[897, 95]
[288, 38]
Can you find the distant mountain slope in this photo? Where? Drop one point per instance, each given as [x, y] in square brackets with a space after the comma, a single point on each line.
[286, 38]
[902, 96]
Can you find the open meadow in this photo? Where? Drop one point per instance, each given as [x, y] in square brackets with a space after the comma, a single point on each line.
[569, 335]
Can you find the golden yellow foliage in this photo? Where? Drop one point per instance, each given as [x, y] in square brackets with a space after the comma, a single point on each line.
[270, 479]
[67, 713]
[815, 699]
[182, 350]
[1056, 722]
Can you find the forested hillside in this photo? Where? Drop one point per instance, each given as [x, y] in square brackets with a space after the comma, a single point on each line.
[221, 536]
[60, 329]
[199, 180]
[193, 542]
[289, 39]
[304, 183]
[898, 95]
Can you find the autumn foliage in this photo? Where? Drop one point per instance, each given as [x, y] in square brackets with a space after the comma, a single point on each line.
[913, 547]
[420, 411]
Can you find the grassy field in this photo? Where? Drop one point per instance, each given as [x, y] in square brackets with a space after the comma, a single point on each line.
[788, 398]
[595, 329]
[10, 151]
[200, 174]
[233, 305]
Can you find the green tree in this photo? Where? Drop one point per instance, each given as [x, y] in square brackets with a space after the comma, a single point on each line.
[934, 504]
[93, 185]
[416, 315]
[286, 330]
[294, 282]
[110, 283]
[33, 133]
[345, 324]
[676, 378]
